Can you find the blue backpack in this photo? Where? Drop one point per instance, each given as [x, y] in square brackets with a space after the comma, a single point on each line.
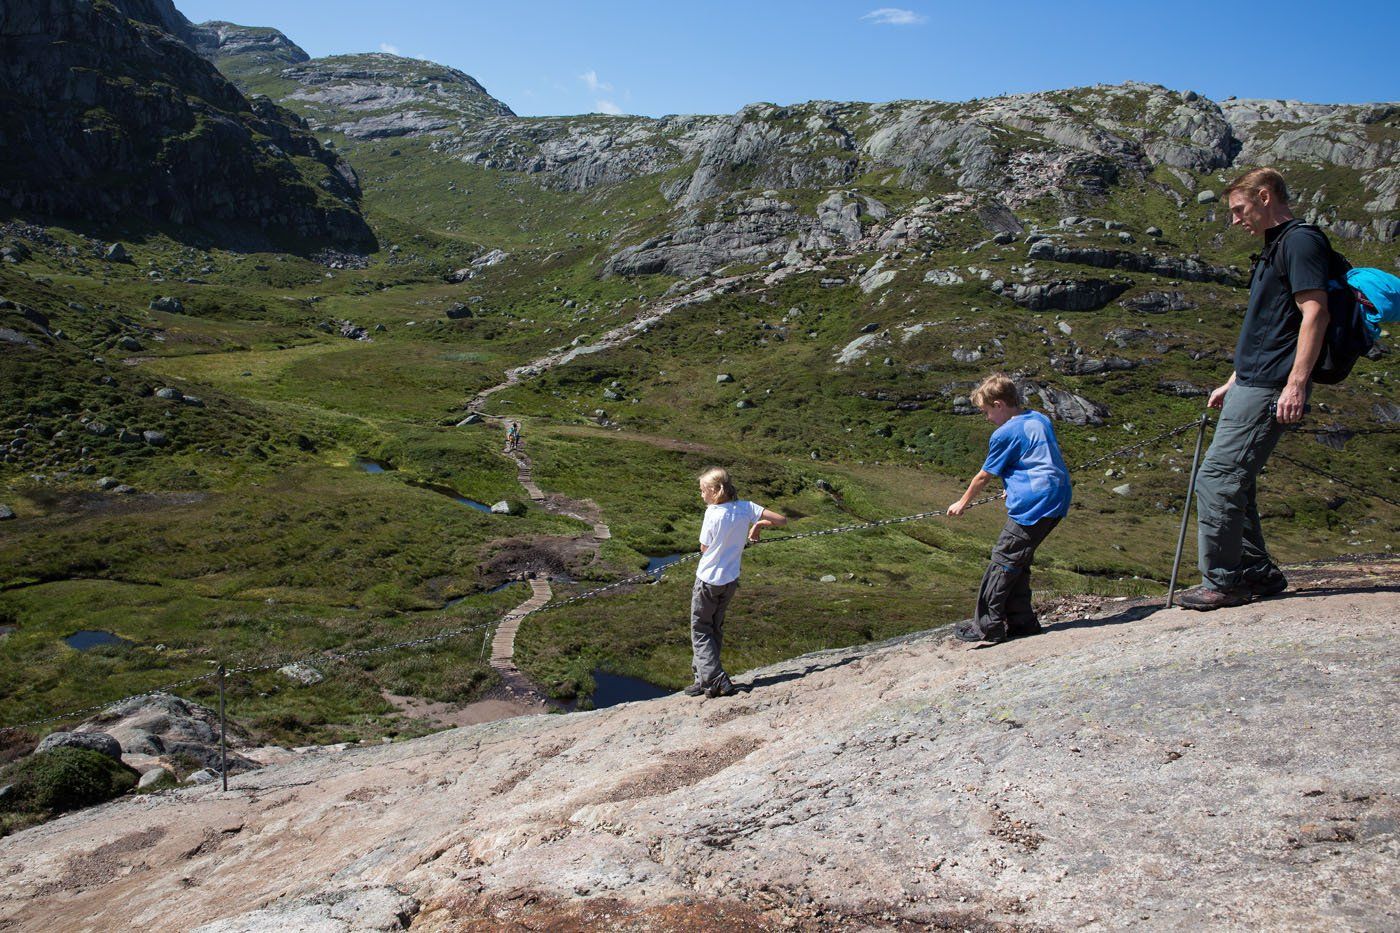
[1347, 338]
[1379, 294]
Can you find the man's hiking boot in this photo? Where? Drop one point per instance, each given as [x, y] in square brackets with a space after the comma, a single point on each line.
[1270, 585]
[1204, 599]
[721, 686]
[694, 690]
[969, 632]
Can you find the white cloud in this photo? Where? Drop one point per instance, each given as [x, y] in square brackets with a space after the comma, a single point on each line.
[595, 84]
[894, 16]
[391, 49]
[606, 106]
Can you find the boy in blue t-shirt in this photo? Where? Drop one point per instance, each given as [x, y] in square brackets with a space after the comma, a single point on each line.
[1025, 455]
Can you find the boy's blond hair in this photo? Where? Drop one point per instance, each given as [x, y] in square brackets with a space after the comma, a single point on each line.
[717, 478]
[997, 387]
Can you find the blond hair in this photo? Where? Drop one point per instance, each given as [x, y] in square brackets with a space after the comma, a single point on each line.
[1255, 180]
[997, 387]
[716, 479]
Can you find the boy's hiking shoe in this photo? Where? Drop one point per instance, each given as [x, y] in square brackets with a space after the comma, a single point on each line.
[721, 686]
[694, 690]
[1204, 599]
[1271, 585]
[969, 632]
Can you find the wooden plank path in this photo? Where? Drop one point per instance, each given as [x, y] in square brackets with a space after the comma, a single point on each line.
[503, 644]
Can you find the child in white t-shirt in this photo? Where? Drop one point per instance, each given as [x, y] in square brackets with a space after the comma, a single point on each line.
[729, 524]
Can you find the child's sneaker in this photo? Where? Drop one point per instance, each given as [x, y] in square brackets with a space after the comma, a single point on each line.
[721, 686]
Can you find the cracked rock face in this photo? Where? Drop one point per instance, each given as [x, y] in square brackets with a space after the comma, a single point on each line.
[1128, 763]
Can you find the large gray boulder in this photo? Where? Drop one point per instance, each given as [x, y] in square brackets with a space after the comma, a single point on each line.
[92, 741]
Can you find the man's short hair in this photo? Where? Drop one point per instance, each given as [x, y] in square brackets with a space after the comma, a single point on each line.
[997, 387]
[1255, 179]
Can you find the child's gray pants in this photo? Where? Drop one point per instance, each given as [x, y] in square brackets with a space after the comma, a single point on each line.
[707, 604]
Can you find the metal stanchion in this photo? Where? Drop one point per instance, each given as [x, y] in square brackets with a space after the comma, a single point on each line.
[223, 732]
[1186, 507]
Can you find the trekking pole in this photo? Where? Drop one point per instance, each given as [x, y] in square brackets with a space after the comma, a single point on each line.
[223, 732]
[1186, 507]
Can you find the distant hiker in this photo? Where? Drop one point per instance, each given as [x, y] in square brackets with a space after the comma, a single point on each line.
[1279, 342]
[1025, 455]
[729, 523]
[513, 436]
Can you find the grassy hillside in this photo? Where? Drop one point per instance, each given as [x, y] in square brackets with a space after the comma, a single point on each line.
[250, 534]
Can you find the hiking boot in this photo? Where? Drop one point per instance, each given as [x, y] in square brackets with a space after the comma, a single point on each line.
[1025, 630]
[694, 690]
[721, 686]
[1271, 584]
[969, 632]
[1204, 599]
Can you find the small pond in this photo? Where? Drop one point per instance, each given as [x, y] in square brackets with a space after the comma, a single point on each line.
[613, 689]
[452, 494]
[372, 466]
[88, 639]
[657, 564]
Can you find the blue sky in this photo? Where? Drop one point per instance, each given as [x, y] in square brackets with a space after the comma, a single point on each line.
[654, 58]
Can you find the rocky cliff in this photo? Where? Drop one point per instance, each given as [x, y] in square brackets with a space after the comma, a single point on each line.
[109, 115]
[1131, 768]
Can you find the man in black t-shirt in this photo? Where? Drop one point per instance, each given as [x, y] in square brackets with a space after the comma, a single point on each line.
[1278, 345]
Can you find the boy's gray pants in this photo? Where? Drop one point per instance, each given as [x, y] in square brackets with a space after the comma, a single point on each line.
[1229, 538]
[1004, 599]
[707, 604]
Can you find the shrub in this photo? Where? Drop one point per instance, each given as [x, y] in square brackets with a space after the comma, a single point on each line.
[64, 779]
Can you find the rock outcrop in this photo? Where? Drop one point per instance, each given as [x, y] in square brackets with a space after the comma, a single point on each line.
[1133, 767]
[1189, 269]
[112, 116]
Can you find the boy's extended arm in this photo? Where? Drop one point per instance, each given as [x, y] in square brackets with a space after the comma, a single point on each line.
[974, 489]
[770, 519]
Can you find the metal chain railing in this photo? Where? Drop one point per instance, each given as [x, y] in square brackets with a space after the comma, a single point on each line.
[650, 576]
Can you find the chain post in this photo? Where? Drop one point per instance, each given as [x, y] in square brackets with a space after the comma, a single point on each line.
[223, 732]
[1186, 507]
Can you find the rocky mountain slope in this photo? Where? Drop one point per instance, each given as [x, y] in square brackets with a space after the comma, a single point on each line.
[110, 117]
[1131, 768]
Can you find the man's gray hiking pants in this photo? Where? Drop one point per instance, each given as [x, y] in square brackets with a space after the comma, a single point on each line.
[1230, 539]
[708, 602]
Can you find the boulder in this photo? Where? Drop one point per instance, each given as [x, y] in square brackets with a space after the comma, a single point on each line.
[301, 673]
[170, 393]
[473, 418]
[116, 253]
[108, 482]
[501, 508]
[1124, 490]
[1206, 196]
[1063, 294]
[100, 428]
[155, 438]
[92, 741]
[203, 776]
[723, 378]
[1063, 405]
[129, 343]
[458, 311]
[168, 304]
[943, 277]
[743, 404]
[1157, 302]
[6, 513]
[153, 777]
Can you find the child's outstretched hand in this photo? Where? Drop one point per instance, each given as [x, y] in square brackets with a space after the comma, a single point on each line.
[755, 530]
[957, 508]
